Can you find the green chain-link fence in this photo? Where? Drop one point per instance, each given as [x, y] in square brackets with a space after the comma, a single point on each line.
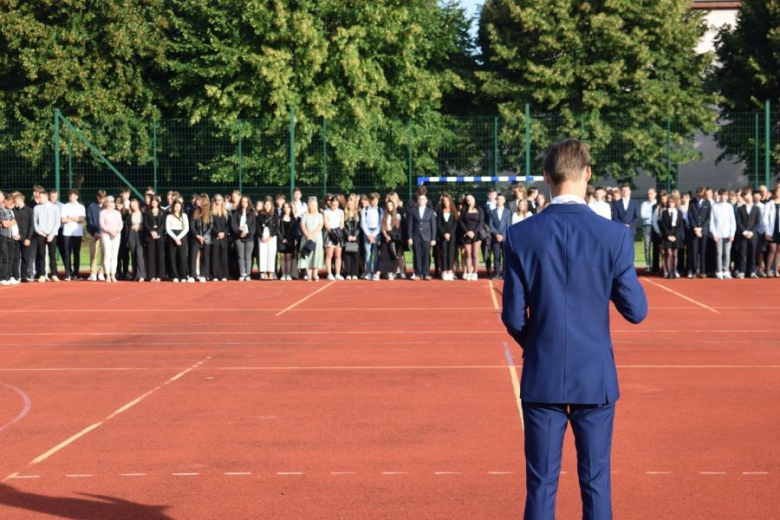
[322, 156]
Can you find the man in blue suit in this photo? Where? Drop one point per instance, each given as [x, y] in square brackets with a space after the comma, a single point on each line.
[499, 219]
[626, 210]
[563, 266]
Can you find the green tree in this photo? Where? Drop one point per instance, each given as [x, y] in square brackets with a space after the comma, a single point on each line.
[363, 69]
[89, 59]
[615, 72]
[749, 74]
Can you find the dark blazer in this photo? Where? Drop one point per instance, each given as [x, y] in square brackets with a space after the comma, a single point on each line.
[443, 227]
[563, 266]
[269, 221]
[700, 217]
[152, 223]
[748, 221]
[219, 225]
[235, 225]
[667, 230]
[421, 229]
[628, 217]
[499, 226]
[24, 221]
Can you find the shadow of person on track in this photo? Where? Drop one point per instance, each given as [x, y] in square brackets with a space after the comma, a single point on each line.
[79, 508]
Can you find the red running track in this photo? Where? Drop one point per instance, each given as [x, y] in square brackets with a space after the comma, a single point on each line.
[362, 400]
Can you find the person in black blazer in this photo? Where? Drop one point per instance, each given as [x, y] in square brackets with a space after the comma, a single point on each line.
[447, 227]
[672, 236]
[154, 229]
[626, 210]
[699, 216]
[243, 223]
[220, 241]
[421, 228]
[500, 219]
[748, 224]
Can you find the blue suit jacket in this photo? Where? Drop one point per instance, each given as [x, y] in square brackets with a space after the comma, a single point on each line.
[499, 226]
[562, 267]
[628, 216]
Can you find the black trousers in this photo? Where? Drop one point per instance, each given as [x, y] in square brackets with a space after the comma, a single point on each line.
[135, 246]
[487, 252]
[155, 258]
[219, 259]
[698, 250]
[498, 256]
[16, 259]
[28, 259]
[747, 254]
[123, 260]
[71, 256]
[447, 253]
[5, 258]
[40, 256]
[177, 256]
[205, 258]
[422, 257]
[351, 264]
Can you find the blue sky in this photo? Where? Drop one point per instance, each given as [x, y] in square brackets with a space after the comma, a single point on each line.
[471, 9]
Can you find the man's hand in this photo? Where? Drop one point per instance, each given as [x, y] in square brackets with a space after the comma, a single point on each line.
[731, 238]
[672, 239]
[446, 237]
[371, 239]
[178, 242]
[499, 238]
[411, 242]
[433, 243]
[26, 243]
[49, 238]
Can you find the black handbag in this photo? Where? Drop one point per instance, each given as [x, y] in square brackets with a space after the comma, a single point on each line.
[307, 248]
[351, 247]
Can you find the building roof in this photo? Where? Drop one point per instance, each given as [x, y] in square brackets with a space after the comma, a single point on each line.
[713, 5]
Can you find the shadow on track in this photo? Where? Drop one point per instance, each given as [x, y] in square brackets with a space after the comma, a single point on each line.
[96, 506]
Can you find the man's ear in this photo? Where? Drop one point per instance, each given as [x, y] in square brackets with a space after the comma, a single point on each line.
[588, 174]
[547, 179]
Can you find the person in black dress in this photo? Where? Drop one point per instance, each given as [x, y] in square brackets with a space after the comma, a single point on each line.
[673, 236]
[352, 239]
[288, 226]
[470, 226]
[446, 227]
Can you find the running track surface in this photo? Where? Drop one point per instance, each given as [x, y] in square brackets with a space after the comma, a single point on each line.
[360, 400]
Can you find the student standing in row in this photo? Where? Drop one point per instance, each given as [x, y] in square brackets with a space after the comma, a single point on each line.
[351, 251]
[7, 223]
[46, 217]
[370, 222]
[93, 228]
[446, 230]
[772, 230]
[421, 223]
[73, 215]
[135, 239]
[723, 227]
[334, 238]
[220, 227]
[748, 222]
[200, 254]
[24, 221]
[288, 226]
[471, 221]
[111, 234]
[500, 220]
[177, 227]
[267, 232]
[243, 224]
[154, 228]
[672, 227]
[311, 242]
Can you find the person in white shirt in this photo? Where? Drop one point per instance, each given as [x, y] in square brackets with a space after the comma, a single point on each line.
[772, 233]
[46, 216]
[73, 215]
[334, 238]
[177, 226]
[298, 206]
[599, 205]
[646, 215]
[762, 245]
[521, 212]
[370, 220]
[723, 227]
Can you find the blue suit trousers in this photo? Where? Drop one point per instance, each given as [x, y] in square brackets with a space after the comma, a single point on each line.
[545, 426]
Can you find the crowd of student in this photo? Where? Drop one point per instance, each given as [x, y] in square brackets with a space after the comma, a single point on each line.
[360, 236]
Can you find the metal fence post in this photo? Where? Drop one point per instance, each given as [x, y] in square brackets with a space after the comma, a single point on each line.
[409, 147]
[154, 153]
[528, 139]
[582, 127]
[70, 160]
[495, 145]
[57, 150]
[768, 137]
[668, 153]
[240, 159]
[324, 158]
[756, 146]
[292, 150]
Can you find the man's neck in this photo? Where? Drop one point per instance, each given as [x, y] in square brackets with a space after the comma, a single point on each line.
[569, 188]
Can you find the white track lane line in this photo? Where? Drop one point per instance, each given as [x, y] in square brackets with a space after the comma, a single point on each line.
[294, 305]
[686, 298]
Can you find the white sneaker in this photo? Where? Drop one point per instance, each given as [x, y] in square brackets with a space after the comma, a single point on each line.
[413, 277]
[719, 275]
[101, 277]
[339, 278]
[190, 280]
[175, 280]
[390, 277]
[5, 282]
[14, 281]
[92, 277]
[403, 276]
[377, 277]
[726, 275]
[331, 278]
[202, 279]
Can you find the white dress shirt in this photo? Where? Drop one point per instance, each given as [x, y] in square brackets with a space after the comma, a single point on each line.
[601, 208]
[567, 199]
[723, 223]
[646, 212]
